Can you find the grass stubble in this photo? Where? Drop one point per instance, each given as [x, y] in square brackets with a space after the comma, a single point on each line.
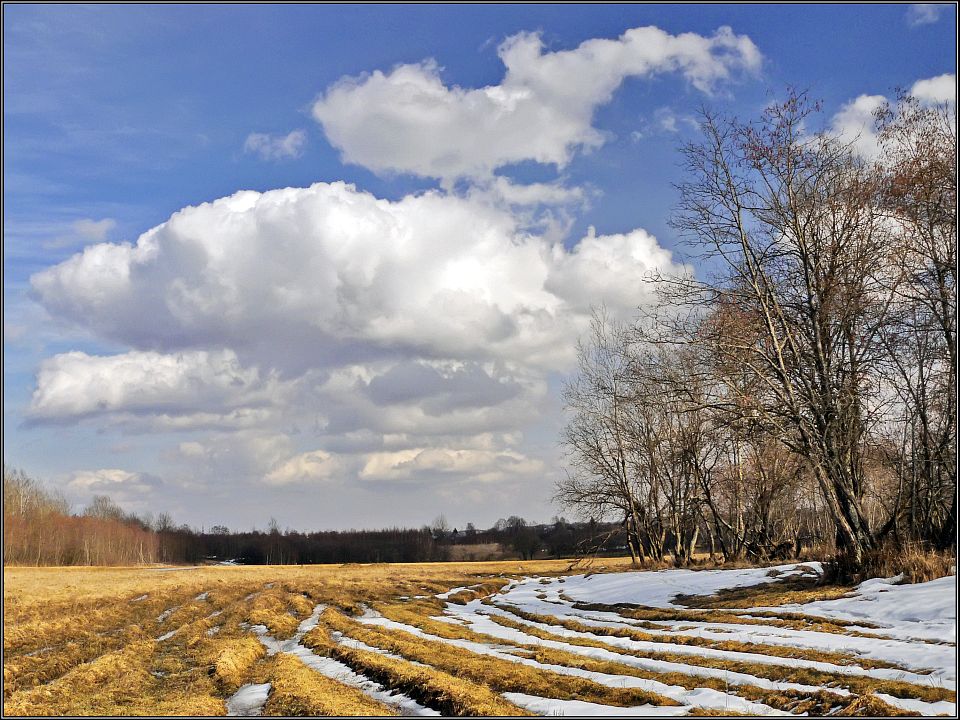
[83, 641]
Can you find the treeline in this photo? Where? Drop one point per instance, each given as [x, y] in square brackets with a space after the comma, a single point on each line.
[514, 537]
[805, 392]
[39, 529]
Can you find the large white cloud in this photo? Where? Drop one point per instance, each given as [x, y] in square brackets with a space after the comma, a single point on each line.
[322, 334]
[408, 120]
[75, 384]
[326, 276]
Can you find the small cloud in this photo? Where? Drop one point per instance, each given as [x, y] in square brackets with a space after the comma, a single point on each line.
[131, 490]
[276, 147]
[924, 14]
[855, 123]
[84, 230]
[666, 119]
[94, 230]
[310, 466]
[936, 90]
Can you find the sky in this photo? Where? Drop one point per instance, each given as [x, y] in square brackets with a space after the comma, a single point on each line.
[329, 265]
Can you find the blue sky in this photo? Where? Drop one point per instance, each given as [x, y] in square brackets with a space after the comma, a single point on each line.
[381, 353]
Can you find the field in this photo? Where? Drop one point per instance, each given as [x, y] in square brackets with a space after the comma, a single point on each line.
[500, 638]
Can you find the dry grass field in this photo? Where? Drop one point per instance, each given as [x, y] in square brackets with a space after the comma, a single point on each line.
[503, 639]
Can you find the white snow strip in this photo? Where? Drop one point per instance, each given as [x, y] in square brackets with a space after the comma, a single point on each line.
[485, 625]
[919, 656]
[349, 642]
[650, 589]
[335, 669]
[162, 617]
[166, 636]
[701, 697]
[454, 591]
[579, 708]
[923, 655]
[202, 596]
[214, 630]
[941, 707]
[138, 599]
[214, 614]
[248, 700]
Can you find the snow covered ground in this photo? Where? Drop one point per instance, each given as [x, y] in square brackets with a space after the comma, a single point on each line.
[894, 643]
[911, 629]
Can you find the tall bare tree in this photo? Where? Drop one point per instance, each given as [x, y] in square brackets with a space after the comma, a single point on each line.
[789, 222]
[918, 195]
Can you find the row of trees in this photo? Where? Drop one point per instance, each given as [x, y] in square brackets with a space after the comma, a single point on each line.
[804, 391]
[39, 529]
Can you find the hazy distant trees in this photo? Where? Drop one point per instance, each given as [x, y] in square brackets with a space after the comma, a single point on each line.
[811, 374]
[39, 530]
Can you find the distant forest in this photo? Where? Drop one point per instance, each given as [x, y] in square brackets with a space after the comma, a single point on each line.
[39, 529]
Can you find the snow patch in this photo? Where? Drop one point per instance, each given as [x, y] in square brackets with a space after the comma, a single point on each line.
[579, 708]
[249, 700]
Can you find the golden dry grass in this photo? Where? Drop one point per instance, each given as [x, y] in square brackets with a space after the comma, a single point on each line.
[449, 694]
[84, 641]
[235, 660]
[501, 675]
[793, 589]
[298, 690]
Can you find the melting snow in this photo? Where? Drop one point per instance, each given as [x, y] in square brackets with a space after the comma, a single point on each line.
[248, 700]
[578, 708]
[335, 669]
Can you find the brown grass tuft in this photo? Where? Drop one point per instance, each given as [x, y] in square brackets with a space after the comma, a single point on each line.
[235, 660]
[298, 690]
[915, 562]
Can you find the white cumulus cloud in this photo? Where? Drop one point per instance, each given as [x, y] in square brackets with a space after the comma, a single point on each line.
[935, 90]
[75, 384]
[408, 120]
[855, 123]
[420, 463]
[302, 278]
[276, 147]
[313, 466]
[132, 490]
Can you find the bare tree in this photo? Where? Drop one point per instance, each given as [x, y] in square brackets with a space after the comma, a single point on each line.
[788, 221]
[918, 195]
[600, 438]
